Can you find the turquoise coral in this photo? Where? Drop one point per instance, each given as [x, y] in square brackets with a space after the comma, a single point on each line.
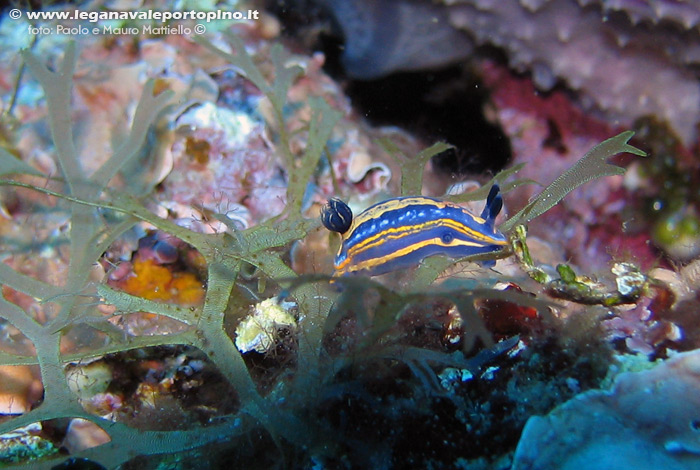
[646, 420]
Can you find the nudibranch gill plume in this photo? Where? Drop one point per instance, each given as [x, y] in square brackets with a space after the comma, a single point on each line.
[400, 232]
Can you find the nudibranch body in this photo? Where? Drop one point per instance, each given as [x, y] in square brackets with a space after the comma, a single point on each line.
[399, 233]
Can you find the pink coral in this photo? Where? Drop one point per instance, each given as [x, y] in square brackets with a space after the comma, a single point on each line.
[549, 133]
[627, 70]
[642, 332]
[625, 58]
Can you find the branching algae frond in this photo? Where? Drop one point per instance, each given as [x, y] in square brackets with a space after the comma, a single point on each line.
[92, 233]
[591, 166]
[288, 415]
[631, 283]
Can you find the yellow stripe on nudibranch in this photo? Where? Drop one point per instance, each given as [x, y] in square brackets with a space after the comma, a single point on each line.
[401, 232]
[398, 232]
[347, 266]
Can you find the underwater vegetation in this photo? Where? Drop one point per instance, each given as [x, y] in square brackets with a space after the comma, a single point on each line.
[206, 349]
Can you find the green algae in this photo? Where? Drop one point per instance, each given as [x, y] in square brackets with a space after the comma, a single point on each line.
[591, 166]
[292, 425]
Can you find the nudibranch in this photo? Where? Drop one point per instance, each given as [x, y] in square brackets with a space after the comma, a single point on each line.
[400, 232]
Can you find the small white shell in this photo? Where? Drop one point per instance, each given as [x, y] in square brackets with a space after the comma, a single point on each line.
[360, 164]
[259, 330]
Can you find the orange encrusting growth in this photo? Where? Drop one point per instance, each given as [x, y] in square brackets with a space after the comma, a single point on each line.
[155, 282]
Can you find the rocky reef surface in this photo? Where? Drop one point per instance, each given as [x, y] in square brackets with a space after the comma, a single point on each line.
[646, 420]
[624, 59]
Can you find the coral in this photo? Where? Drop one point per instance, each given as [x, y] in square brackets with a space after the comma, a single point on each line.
[642, 330]
[224, 155]
[676, 303]
[601, 59]
[549, 134]
[598, 48]
[686, 14]
[647, 420]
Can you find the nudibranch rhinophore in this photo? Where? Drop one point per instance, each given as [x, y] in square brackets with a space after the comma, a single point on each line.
[400, 232]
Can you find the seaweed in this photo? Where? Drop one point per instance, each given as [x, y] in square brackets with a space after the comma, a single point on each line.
[91, 234]
[293, 413]
[91, 200]
[412, 173]
[591, 166]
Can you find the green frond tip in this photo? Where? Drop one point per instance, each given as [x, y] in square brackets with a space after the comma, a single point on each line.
[412, 174]
[57, 85]
[323, 120]
[593, 165]
[412, 168]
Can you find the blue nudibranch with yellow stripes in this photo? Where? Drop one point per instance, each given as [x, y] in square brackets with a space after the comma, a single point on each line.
[399, 233]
